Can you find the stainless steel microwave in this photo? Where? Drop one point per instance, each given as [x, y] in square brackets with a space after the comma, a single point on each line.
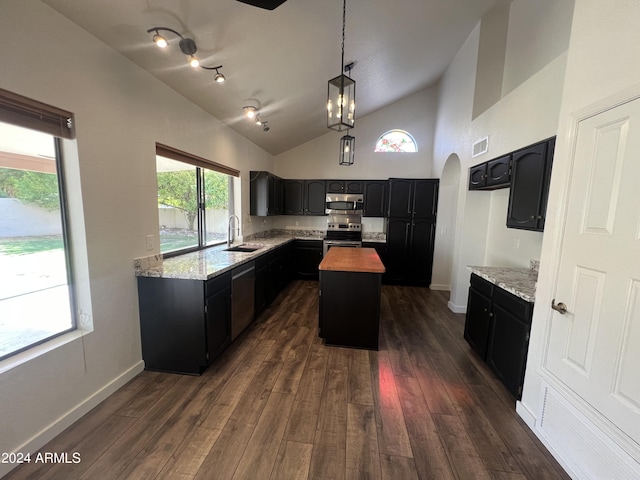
[344, 203]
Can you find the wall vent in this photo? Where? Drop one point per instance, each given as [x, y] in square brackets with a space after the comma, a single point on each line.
[480, 147]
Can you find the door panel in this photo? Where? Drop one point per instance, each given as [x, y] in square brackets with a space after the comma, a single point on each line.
[594, 347]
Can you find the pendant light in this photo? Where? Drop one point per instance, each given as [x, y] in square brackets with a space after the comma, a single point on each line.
[341, 96]
[347, 150]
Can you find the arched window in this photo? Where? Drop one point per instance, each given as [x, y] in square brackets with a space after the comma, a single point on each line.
[396, 141]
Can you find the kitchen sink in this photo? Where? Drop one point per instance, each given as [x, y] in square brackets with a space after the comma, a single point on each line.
[245, 247]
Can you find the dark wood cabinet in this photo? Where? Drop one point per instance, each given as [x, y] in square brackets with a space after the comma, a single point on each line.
[499, 172]
[411, 230]
[497, 327]
[274, 270]
[478, 318]
[344, 186]
[304, 197]
[293, 197]
[266, 192]
[314, 197]
[530, 176]
[491, 175]
[307, 257]
[478, 176]
[375, 198]
[184, 324]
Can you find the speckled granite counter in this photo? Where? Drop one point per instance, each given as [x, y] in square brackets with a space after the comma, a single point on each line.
[207, 263]
[519, 281]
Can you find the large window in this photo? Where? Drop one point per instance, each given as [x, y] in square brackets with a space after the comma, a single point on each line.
[195, 200]
[36, 294]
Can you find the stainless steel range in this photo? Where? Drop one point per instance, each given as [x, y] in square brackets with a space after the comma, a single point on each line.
[342, 231]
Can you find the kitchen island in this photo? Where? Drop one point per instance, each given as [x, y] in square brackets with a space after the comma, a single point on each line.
[350, 283]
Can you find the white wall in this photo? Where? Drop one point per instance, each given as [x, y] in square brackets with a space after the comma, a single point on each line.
[120, 112]
[527, 114]
[602, 61]
[318, 158]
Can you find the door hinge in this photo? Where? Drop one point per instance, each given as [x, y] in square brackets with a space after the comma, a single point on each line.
[206, 309]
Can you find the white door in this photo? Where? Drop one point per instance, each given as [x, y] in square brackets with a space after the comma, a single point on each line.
[594, 348]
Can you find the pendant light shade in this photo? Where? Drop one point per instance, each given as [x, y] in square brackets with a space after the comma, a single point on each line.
[347, 150]
[341, 103]
[341, 96]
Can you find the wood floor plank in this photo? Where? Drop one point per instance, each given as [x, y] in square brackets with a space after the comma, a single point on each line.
[255, 397]
[463, 456]
[306, 408]
[398, 356]
[260, 455]
[293, 461]
[328, 460]
[229, 397]
[188, 458]
[392, 430]
[362, 457]
[494, 452]
[91, 448]
[526, 450]
[131, 443]
[293, 367]
[222, 460]
[428, 451]
[432, 384]
[395, 468]
[359, 388]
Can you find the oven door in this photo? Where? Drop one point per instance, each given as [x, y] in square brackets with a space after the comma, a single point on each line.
[327, 244]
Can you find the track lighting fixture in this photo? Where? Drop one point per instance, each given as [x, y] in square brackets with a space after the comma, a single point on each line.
[218, 77]
[187, 46]
[265, 127]
[250, 111]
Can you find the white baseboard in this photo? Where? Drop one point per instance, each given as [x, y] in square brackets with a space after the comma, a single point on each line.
[456, 308]
[48, 433]
[527, 415]
[444, 288]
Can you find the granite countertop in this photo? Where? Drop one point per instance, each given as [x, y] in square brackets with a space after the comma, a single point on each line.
[212, 261]
[519, 281]
[207, 263]
[348, 259]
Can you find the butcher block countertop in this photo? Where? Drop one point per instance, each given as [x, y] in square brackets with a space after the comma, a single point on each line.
[349, 259]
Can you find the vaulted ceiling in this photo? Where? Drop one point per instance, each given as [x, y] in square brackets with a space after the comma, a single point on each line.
[281, 60]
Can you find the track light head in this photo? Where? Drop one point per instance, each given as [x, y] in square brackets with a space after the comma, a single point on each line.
[160, 41]
[250, 111]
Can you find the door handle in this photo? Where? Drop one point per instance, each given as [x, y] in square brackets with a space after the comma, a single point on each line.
[559, 307]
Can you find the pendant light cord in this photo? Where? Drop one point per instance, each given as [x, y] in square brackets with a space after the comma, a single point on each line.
[344, 16]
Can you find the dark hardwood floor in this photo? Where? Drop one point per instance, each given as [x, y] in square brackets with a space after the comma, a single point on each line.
[280, 405]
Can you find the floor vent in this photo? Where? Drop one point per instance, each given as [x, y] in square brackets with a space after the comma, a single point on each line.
[480, 147]
[581, 445]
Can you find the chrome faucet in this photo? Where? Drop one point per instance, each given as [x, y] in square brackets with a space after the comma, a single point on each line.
[230, 233]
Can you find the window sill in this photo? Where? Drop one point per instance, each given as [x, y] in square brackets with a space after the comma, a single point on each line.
[39, 350]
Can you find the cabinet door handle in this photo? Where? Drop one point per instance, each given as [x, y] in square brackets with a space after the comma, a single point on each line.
[559, 307]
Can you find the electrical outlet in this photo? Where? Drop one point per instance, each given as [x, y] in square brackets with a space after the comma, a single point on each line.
[149, 242]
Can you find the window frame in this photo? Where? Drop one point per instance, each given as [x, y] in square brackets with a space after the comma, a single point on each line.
[200, 164]
[394, 130]
[34, 115]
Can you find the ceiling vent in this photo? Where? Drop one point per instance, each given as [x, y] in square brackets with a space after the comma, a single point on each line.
[480, 147]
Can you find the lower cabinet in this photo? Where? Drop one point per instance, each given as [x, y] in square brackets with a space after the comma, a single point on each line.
[184, 324]
[274, 270]
[497, 327]
[409, 254]
[307, 257]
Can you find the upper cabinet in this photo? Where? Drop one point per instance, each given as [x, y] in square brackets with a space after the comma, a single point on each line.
[304, 197]
[345, 186]
[266, 192]
[530, 176]
[491, 175]
[375, 198]
[413, 198]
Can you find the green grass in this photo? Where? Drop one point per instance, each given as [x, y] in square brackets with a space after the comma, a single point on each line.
[27, 245]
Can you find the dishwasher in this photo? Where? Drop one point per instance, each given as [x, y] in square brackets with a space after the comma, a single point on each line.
[243, 280]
